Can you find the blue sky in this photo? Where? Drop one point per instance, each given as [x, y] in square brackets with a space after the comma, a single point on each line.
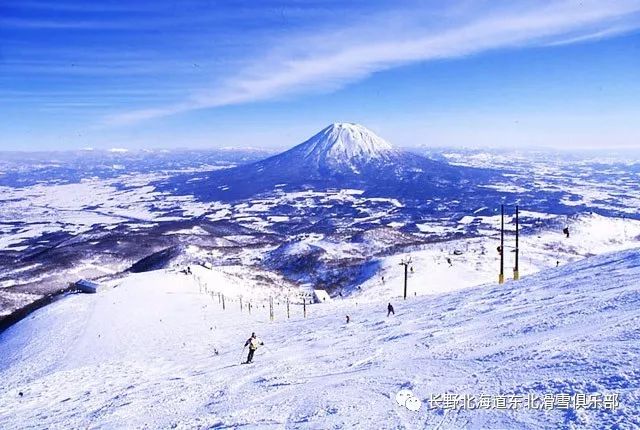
[203, 74]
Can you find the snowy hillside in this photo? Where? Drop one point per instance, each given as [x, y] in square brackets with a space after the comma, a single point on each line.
[143, 355]
[365, 267]
[446, 266]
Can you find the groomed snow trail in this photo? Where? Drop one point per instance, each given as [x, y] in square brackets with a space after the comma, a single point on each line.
[142, 356]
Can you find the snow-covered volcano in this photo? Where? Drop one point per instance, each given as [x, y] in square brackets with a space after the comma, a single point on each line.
[343, 147]
[342, 155]
[346, 151]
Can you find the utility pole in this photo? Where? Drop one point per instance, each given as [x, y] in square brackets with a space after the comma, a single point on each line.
[405, 262]
[516, 272]
[501, 276]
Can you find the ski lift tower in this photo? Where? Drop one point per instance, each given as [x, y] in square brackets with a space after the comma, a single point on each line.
[516, 268]
[406, 262]
[501, 247]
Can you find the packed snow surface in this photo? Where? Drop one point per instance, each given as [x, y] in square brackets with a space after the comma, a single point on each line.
[143, 355]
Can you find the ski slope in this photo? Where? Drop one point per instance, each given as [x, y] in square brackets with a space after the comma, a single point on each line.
[142, 355]
[478, 261]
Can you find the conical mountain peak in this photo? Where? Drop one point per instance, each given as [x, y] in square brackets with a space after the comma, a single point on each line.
[346, 141]
[343, 147]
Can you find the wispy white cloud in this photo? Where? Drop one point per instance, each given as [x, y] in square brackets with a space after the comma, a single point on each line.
[612, 31]
[327, 58]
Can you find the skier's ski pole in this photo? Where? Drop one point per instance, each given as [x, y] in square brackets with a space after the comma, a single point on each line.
[242, 353]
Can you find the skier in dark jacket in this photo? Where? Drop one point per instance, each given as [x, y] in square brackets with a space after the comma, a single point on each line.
[253, 342]
[390, 310]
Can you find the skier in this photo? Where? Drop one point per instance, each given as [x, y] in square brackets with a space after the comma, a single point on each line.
[566, 231]
[449, 261]
[390, 310]
[348, 319]
[253, 342]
